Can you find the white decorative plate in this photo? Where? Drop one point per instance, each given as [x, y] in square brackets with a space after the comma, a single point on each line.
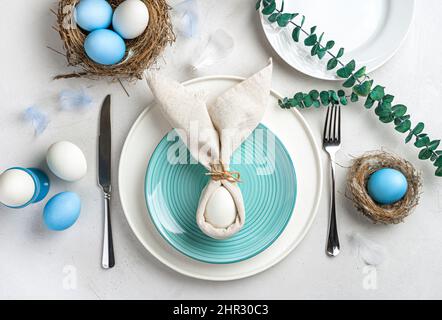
[289, 126]
[370, 32]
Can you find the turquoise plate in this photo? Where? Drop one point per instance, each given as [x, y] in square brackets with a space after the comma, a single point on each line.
[268, 187]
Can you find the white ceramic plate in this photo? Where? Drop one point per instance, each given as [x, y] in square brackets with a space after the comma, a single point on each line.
[294, 133]
[370, 32]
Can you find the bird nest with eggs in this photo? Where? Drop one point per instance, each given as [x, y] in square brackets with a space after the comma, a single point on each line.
[362, 169]
[137, 54]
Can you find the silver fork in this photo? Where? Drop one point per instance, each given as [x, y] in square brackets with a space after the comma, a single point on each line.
[332, 144]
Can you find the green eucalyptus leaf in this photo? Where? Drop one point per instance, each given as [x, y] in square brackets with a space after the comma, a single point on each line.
[314, 50]
[341, 93]
[419, 128]
[332, 63]
[439, 172]
[387, 118]
[343, 72]
[384, 113]
[325, 98]
[404, 126]
[409, 137]
[399, 110]
[340, 53]
[438, 161]
[354, 97]
[311, 40]
[312, 29]
[258, 5]
[361, 72]
[299, 96]
[377, 93]
[333, 96]
[295, 34]
[308, 101]
[388, 98]
[405, 117]
[316, 104]
[434, 145]
[347, 70]
[282, 6]
[269, 8]
[343, 100]
[314, 94]
[322, 52]
[284, 19]
[363, 89]
[421, 142]
[320, 38]
[330, 44]
[425, 154]
[302, 21]
[350, 82]
[273, 17]
[369, 103]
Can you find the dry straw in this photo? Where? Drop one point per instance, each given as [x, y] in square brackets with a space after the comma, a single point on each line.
[358, 175]
[141, 51]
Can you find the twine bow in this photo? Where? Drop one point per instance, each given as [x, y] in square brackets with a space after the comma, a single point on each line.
[219, 172]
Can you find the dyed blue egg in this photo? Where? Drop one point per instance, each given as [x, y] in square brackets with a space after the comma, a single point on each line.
[91, 15]
[105, 47]
[387, 186]
[62, 211]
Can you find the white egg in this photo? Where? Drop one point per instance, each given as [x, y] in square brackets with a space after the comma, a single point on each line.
[130, 19]
[66, 161]
[17, 188]
[220, 209]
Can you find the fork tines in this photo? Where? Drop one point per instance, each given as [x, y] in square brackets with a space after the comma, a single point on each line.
[332, 128]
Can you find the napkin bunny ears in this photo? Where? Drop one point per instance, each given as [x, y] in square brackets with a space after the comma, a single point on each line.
[222, 128]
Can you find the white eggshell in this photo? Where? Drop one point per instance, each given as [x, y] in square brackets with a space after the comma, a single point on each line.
[66, 161]
[16, 188]
[130, 19]
[220, 209]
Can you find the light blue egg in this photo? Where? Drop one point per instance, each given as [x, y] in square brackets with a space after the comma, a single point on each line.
[91, 15]
[62, 211]
[387, 186]
[105, 47]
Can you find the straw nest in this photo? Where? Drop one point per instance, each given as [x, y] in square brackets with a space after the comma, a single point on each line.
[141, 51]
[358, 175]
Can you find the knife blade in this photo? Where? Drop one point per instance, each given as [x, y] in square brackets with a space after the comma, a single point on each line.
[105, 181]
[105, 145]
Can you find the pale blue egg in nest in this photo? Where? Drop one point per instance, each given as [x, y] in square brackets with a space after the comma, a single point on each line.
[383, 186]
[91, 15]
[387, 186]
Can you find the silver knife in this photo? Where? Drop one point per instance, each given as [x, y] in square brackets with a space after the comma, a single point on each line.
[104, 179]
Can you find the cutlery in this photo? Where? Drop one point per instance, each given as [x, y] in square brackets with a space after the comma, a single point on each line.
[104, 180]
[332, 144]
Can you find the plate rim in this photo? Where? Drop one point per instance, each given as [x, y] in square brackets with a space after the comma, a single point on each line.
[279, 233]
[370, 69]
[243, 275]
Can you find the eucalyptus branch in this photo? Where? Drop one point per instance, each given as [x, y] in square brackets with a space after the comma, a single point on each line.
[358, 81]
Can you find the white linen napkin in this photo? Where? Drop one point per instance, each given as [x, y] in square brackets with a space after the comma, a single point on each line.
[222, 128]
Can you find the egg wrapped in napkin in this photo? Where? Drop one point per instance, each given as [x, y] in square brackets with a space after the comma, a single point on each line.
[221, 127]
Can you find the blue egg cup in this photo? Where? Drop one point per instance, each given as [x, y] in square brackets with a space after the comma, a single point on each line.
[42, 185]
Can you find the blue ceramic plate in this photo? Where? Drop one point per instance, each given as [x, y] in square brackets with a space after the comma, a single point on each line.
[268, 187]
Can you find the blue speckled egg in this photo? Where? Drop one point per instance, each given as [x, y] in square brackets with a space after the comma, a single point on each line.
[62, 211]
[387, 186]
[91, 15]
[105, 47]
